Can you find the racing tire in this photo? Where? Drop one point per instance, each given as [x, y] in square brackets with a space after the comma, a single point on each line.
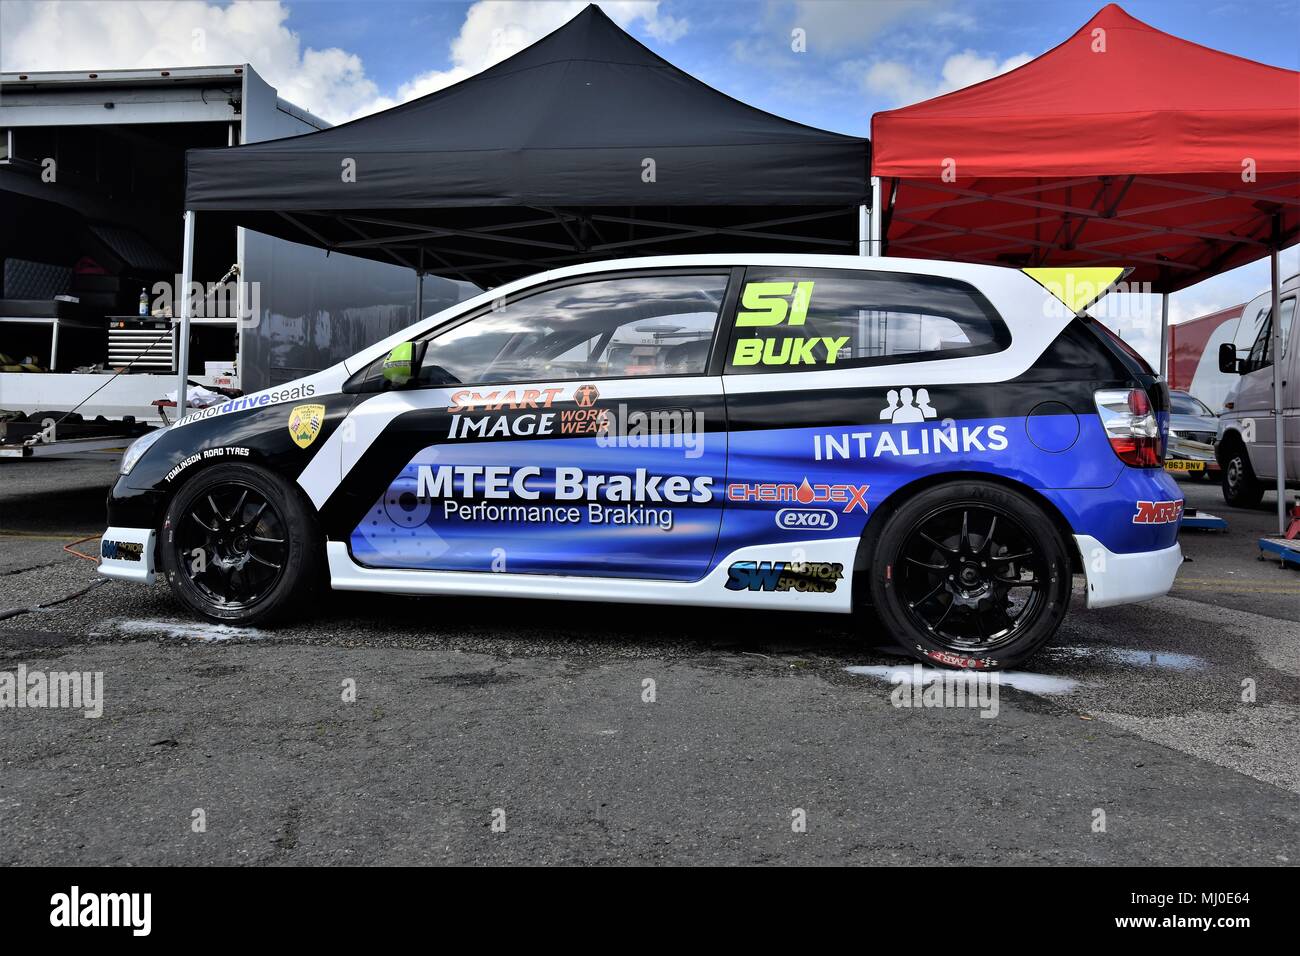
[241, 546]
[1241, 488]
[970, 576]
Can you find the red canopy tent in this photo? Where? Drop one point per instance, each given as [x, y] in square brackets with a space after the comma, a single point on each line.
[1121, 146]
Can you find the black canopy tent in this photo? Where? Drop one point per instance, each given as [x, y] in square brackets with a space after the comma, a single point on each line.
[585, 145]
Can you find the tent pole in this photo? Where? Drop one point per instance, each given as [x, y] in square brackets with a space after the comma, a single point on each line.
[1279, 438]
[1164, 337]
[419, 288]
[874, 248]
[183, 331]
[864, 229]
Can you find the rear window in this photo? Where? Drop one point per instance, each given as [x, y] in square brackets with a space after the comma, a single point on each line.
[1123, 346]
[803, 319]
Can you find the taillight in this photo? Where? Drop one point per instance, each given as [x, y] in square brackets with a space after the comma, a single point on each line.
[1131, 425]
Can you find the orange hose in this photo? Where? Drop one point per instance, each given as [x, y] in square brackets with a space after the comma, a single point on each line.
[72, 550]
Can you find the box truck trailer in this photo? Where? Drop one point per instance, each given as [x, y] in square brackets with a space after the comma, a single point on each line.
[92, 179]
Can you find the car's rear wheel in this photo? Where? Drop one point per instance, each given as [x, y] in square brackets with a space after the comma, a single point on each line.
[240, 546]
[1241, 488]
[970, 575]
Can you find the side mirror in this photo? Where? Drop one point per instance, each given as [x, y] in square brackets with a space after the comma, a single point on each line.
[1228, 359]
[402, 364]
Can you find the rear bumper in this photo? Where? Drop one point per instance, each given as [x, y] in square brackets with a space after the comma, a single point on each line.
[127, 554]
[1126, 578]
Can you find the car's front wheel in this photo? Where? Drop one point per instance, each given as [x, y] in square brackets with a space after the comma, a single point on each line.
[970, 575]
[240, 546]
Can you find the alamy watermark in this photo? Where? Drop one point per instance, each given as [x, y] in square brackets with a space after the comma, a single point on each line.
[925, 688]
[39, 690]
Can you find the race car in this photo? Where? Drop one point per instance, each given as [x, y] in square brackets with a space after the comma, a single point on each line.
[945, 442]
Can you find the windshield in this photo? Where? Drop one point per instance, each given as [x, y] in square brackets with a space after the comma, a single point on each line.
[1183, 404]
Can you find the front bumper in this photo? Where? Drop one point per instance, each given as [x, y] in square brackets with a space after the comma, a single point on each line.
[1126, 578]
[127, 554]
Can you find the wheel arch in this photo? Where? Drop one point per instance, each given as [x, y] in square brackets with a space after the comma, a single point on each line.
[167, 493]
[882, 512]
[1229, 442]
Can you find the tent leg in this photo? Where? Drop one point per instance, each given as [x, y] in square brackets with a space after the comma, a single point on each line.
[419, 289]
[1279, 438]
[1164, 337]
[875, 247]
[864, 229]
[183, 330]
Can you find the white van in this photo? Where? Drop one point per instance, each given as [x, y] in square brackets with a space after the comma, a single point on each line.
[1247, 439]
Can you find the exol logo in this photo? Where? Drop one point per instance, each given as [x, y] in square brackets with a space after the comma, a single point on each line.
[804, 494]
[806, 519]
[817, 577]
[1158, 512]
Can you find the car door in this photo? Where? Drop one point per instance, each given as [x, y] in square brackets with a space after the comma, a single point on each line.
[573, 430]
[827, 405]
[1254, 399]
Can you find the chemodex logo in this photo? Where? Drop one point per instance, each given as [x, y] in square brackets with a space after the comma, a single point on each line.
[804, 493]
[76, 909]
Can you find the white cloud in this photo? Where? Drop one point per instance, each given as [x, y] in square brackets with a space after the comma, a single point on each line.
[56, 35]
[835, 25]
[61, 35]
[902, 84]
[496, 29]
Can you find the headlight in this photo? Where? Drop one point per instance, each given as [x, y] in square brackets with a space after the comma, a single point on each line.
[135, 451]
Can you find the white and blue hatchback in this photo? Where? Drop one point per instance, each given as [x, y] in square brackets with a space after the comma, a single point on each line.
[945, 442]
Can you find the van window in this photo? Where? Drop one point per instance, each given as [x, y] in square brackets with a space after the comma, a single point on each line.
[799, 320]
[1261, 351]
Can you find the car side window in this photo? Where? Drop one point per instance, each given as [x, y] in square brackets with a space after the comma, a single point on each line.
[603, 328]
[799, 320]
[1261, 352]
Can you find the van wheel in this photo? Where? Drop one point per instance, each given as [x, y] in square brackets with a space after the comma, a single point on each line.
[1241, 488]
[971, 575]
[240, 546]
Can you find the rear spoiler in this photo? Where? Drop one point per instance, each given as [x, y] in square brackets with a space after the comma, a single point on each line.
[1079, 288]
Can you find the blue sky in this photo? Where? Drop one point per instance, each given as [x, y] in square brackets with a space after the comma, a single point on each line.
[742, 47]
[343, 58]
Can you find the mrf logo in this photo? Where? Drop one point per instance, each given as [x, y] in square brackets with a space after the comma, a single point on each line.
[820, 577]
[1158, 512]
